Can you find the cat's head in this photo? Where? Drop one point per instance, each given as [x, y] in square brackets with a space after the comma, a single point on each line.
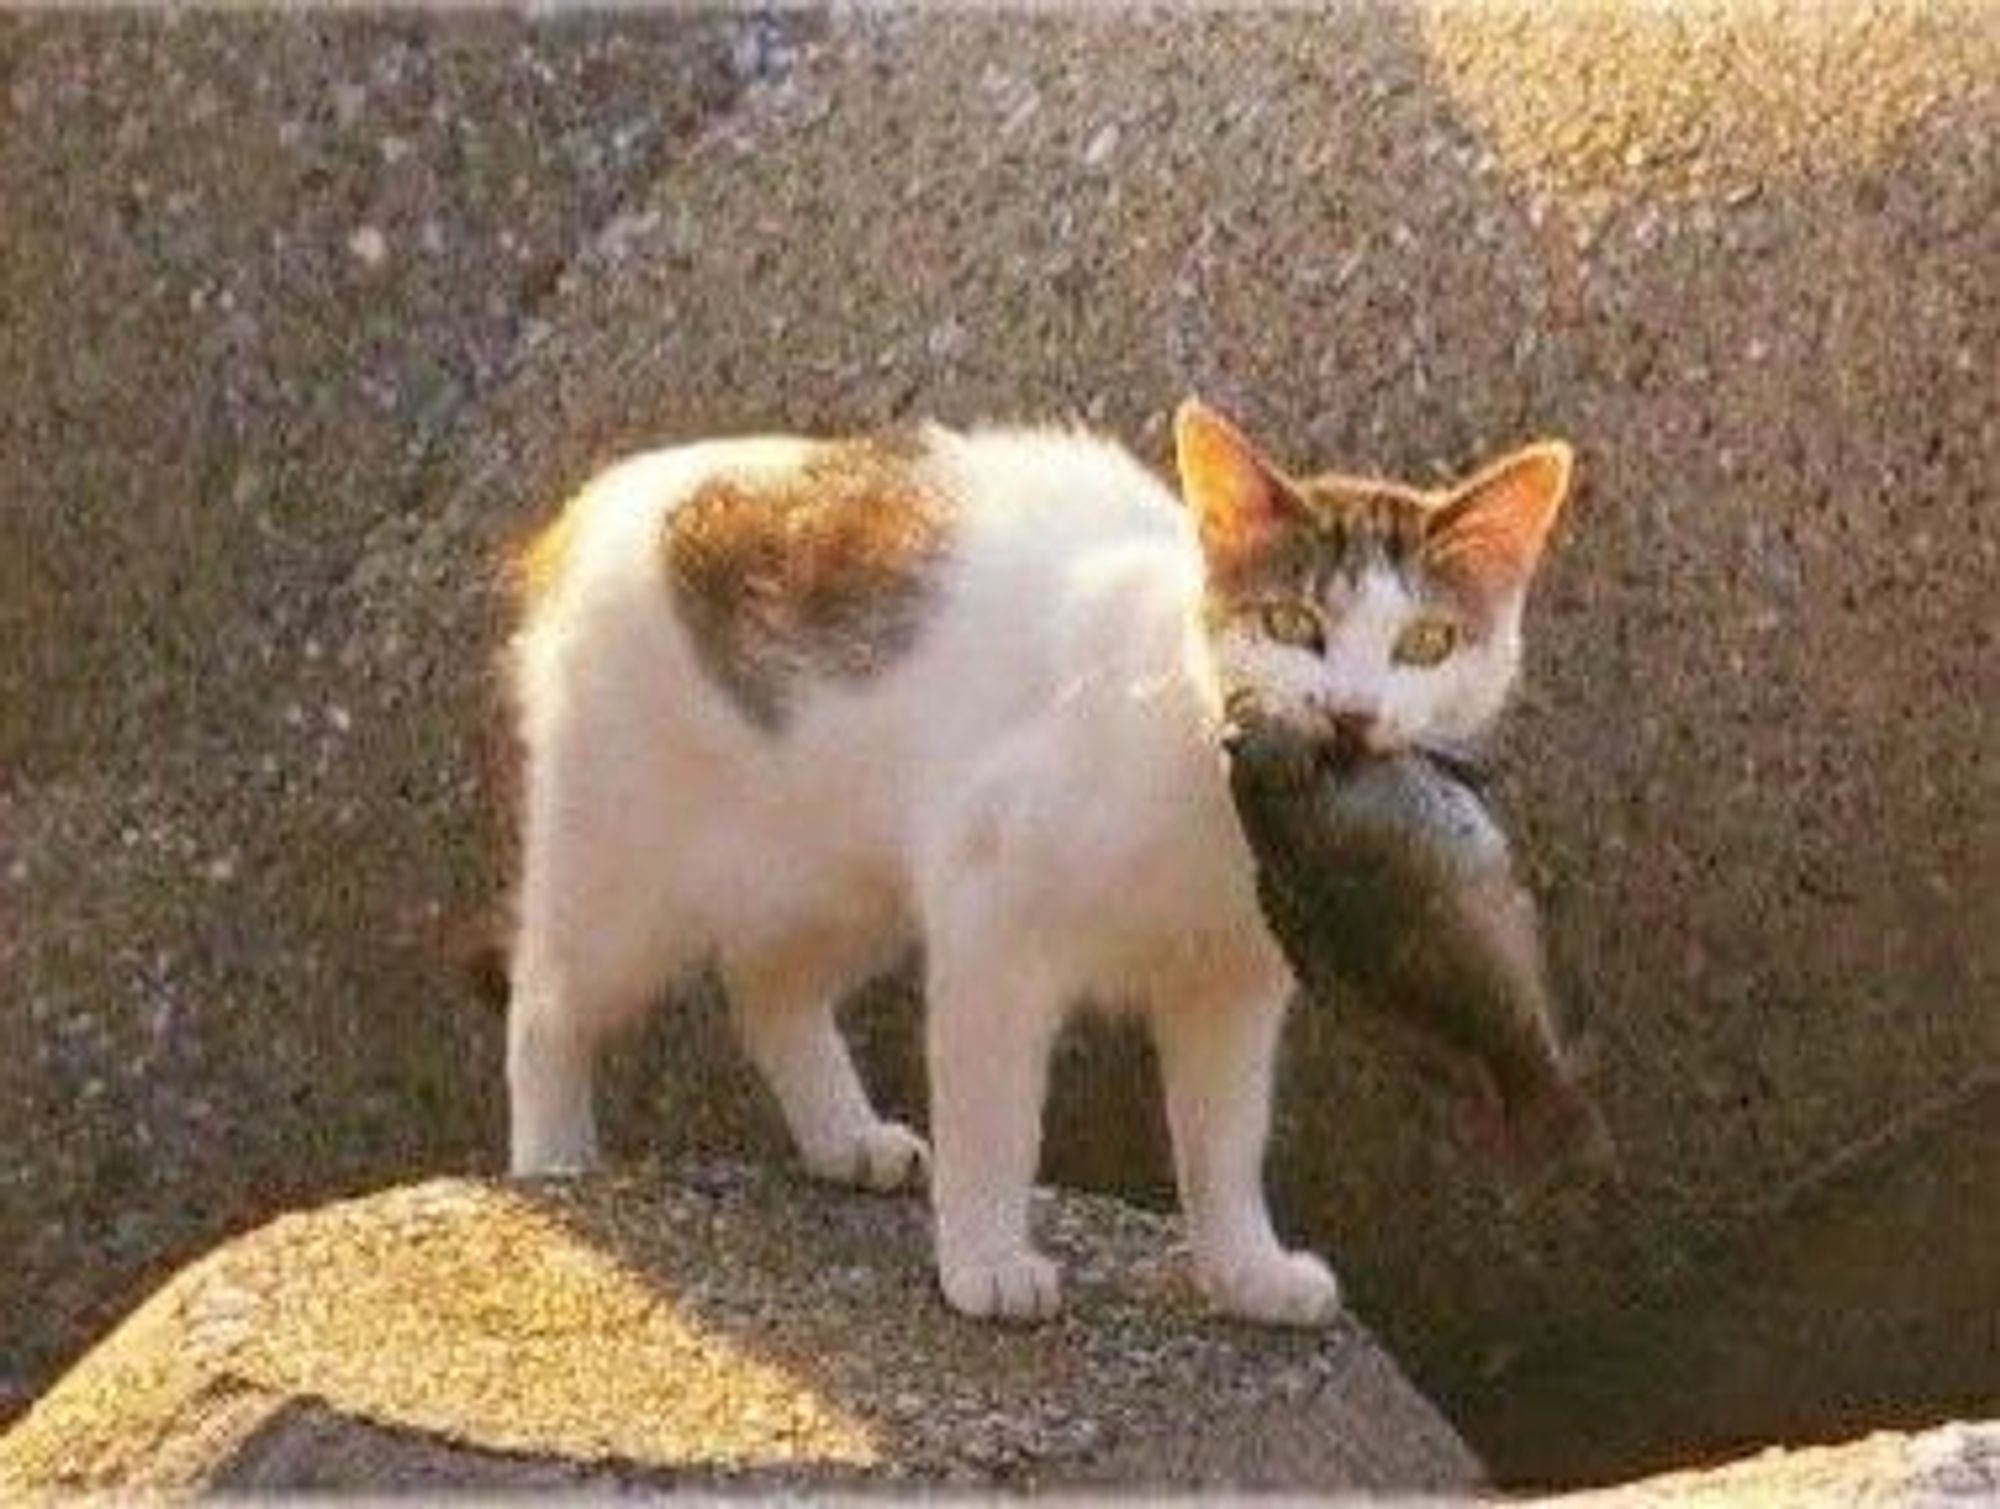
[1382, 615]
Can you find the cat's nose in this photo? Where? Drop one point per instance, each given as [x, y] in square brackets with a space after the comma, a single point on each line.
[1352, 731]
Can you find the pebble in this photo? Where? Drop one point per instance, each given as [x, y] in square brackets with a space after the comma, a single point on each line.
[946, 339]
[349, 100]
[369, 245]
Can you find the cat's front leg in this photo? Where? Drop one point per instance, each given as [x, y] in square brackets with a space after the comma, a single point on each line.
[782, 1005]
[1217, 1057]
[989, 1028]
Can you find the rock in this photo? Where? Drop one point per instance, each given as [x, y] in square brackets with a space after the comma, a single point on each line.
[1958, 1463]
[713, 1324]
[1824, 1315]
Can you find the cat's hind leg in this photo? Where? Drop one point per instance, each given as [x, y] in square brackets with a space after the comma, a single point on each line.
[560, 1010]
[595, 947]
[1217, 1057]
[781, 1002]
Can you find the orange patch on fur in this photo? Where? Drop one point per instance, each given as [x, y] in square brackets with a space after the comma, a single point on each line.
[825, 573]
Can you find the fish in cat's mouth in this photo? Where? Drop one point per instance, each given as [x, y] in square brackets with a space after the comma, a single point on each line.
[1386, 879]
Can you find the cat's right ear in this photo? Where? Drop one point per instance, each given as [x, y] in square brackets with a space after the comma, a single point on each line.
[1238, 499]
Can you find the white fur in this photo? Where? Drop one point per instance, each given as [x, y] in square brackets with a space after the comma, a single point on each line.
[1035, 792]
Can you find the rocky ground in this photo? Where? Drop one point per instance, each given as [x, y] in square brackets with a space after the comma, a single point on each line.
[712, 1325]
[1955, 1464]
[707, 1325]
[305, 319]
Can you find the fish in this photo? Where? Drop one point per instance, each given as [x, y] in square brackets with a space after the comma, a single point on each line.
[1386, 880]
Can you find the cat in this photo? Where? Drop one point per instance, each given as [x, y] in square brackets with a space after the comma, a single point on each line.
[790, 705]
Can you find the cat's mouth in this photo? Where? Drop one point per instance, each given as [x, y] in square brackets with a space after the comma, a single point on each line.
[1337, 738]
[1242, 706]
[1349, 739]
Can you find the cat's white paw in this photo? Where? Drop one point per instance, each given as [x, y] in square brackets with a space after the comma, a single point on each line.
[1275, 1288]
[1022, 1287]
[887, 1156]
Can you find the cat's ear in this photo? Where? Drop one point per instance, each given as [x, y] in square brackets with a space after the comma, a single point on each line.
[1239, 500]
[1486, 538]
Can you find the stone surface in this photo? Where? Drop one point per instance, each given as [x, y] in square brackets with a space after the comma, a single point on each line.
[303, 322]
[1828, 1312]
[711, 1325]
[1954, 1464]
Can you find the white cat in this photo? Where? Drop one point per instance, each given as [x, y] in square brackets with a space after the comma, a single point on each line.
[789, 705]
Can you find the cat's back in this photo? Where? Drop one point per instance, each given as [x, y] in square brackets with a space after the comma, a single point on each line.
[836, 551]
[609, 530]
[1056, 488]
[791, 605]
[1053, 492]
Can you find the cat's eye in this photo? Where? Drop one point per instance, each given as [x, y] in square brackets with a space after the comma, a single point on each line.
[1426, 641]
[1294, 624]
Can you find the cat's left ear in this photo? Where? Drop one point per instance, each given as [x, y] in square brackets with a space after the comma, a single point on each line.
[1486, 538]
